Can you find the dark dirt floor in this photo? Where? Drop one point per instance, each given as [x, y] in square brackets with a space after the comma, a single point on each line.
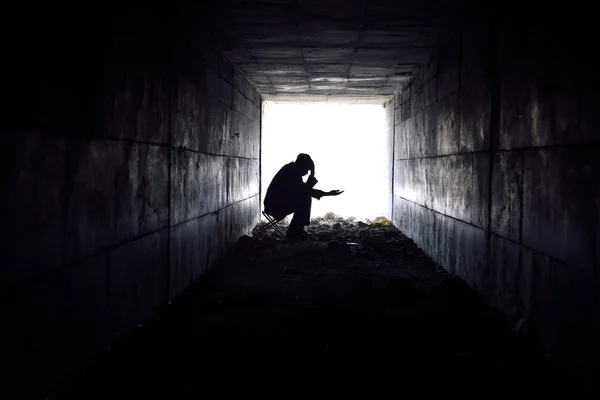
[355, 311]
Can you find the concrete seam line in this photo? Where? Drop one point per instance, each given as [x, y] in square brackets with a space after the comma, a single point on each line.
[214, 211]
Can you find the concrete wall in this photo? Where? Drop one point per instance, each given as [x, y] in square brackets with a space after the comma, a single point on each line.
[390, 112]
[130, 163]
[496, 175]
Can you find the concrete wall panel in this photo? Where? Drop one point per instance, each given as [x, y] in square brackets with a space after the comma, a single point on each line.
[397, 113]
[447, 125]
[454, 185]
[130, 101]
[244, 137]
[560, 204]
[401, 141]
[390, 113]
[418, 222]
[118, 192]
[507, 194]
[448, 80]
[137, 281]
[430, 95]
[192, 246]
[198, 185]
[476, 54]
[509, 284]
[534, 169]
[475, 107]
[37, 166]
[120, 151]
[416, 101]
[71, 310]
[191, 116]
[405, 111]
[242, 179]
[235, 221]
[406, 92]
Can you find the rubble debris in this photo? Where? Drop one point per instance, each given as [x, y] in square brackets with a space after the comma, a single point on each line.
[338, 248]
[329, 216]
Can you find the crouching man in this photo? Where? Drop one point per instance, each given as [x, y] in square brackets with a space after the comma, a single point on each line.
[288, 194]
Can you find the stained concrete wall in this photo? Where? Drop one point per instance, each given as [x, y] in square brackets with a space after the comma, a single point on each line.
[390, 113]
[130, 164]
[496, 175]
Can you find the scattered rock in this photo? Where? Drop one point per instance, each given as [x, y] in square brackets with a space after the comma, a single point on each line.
[337, 226]
[338, 248]
[324, 236]
[329, 216]
[270, 253]
[379, 247]
[382, 221]
[246, 241]
[268, 240]
[362, 224]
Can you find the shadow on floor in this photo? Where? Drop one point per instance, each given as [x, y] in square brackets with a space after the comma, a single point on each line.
[275, 318]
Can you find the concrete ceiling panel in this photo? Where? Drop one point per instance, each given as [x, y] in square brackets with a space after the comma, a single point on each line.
[405, 68]
[279, 53]
[328, 88]
[261, 34]
[377, 57]
[362, 90]
[328, 70]
[274, 69]
[397, 79]
[333, 55]
[389, 90]
[239, 55]
[328, 33]
[367, 82]
[361, 71]
[383, 38]
[292, 88]
[333, 9]
[261, 79]
[288, 80]
[355, 48]
[414, 55]
[330, 80]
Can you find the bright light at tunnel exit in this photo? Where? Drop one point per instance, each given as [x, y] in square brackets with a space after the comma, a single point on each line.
[348, 145]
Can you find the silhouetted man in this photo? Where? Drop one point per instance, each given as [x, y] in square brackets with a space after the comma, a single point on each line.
[288, 194]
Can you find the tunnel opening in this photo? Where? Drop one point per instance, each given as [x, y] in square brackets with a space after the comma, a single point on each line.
[348, 142]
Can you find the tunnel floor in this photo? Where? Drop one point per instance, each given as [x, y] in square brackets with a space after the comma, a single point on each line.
[295, 319]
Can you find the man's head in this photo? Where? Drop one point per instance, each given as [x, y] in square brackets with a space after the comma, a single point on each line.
[305, 164]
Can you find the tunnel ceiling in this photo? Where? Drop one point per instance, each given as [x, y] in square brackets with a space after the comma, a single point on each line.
[332, 47]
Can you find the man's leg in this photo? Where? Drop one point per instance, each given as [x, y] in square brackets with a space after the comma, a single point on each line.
[301, 217]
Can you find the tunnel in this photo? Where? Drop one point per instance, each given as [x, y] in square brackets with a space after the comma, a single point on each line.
[132, 164]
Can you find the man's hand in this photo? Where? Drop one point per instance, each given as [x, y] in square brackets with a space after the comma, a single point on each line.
[311, 181]
[334, 192]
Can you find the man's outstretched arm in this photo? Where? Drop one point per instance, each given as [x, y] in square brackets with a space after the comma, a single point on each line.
[317, 194]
